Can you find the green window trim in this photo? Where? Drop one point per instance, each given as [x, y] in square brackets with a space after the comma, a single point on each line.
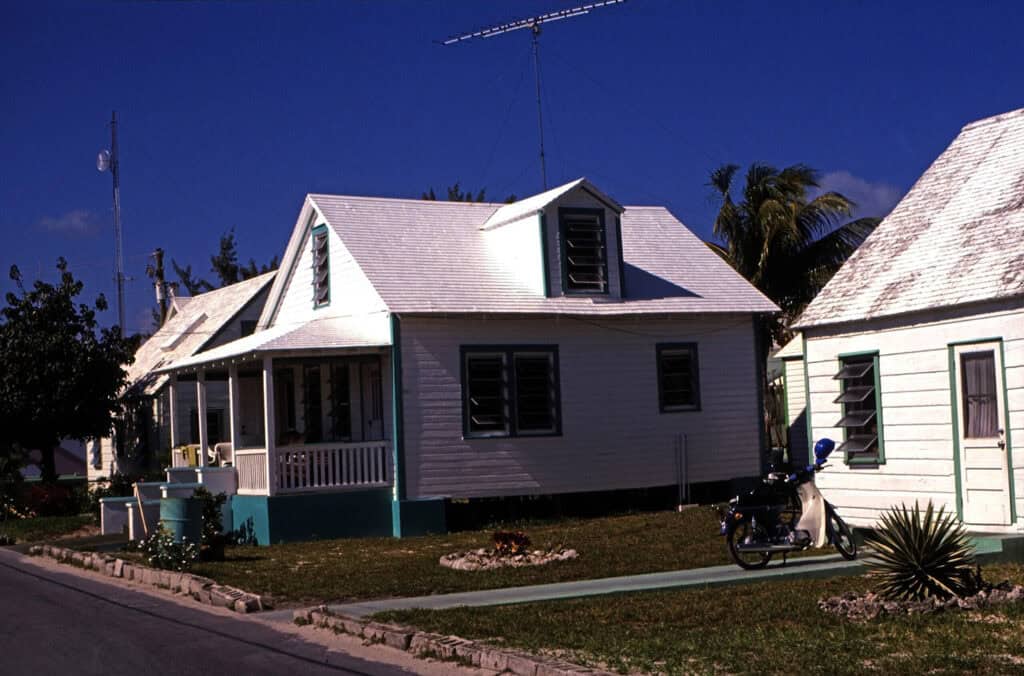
[515, 403]
[319, 241]
[849, 413]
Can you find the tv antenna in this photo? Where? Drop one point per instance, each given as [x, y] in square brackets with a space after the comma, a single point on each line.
[534, 24]
[107, 159]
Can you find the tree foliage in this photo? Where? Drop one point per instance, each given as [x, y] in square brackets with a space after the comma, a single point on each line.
[457, 194]
[60, 373]
[784, 241]
[224, 265]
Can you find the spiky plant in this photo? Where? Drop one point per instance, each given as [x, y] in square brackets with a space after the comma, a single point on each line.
[922, 556]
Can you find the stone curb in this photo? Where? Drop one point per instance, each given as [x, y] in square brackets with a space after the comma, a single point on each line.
[201, 589]
[424, 644]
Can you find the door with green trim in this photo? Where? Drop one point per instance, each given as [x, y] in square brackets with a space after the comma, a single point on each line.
[984, 466]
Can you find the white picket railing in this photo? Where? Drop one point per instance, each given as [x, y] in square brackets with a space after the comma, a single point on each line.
[317, 467]
[251, 465]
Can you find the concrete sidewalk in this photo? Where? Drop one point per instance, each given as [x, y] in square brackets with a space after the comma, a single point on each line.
[987, 549]
[805, 567]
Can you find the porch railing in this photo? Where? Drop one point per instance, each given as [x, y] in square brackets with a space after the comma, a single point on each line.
[251, 465]
[315, 467]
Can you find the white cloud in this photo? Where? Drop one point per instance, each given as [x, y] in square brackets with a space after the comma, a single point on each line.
[872, 199]
[79, 222]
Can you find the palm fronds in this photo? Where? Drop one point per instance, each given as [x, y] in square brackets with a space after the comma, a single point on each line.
[922, 556]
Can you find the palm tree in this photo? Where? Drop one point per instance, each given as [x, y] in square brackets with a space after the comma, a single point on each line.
[782, 240]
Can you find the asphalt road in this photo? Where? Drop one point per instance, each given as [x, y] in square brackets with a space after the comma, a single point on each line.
[58, 623]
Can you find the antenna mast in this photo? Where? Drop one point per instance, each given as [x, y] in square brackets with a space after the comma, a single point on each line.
[533, 23]
[107, 159]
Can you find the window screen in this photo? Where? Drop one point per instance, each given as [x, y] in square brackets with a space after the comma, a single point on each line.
[978, 384]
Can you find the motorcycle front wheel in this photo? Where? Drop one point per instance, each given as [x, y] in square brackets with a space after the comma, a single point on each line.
[745, 532]
[842, 536]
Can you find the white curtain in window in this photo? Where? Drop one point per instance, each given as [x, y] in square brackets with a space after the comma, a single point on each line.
[981, 416]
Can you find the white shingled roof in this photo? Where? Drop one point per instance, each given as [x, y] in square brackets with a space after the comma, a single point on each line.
[317, 334]
[194, 325]
[431, 257]
[956, 238]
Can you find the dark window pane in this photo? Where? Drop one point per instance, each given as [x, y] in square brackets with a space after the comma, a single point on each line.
[535, 395]
[321, 268]
[677, 369]
[860, 406]
[854, 370]
[486, 396]
[341, 404]
[584, 253]
[860, 443]
[978, 382]
[312, 405]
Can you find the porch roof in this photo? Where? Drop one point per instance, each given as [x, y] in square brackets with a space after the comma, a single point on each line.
[327, 333]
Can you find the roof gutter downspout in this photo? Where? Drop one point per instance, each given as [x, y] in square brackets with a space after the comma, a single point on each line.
[397, 428]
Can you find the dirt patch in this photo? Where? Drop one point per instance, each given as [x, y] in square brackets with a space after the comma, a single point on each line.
[864, 607]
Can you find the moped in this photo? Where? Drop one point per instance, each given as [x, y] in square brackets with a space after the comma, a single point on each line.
[785, 513]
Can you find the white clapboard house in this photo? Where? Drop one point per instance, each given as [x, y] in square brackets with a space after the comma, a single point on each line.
[913, 355]
[413, 352]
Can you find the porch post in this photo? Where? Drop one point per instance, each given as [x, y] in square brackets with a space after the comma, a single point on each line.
[268, 424]
[204, 437]
[172, 390]
[233, 408]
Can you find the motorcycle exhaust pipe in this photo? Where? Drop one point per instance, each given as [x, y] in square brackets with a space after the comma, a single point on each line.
[768, 548]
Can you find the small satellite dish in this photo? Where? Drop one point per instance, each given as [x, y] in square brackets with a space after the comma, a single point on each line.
[103, 160]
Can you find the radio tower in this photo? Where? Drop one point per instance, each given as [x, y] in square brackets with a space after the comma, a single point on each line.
[534, 24]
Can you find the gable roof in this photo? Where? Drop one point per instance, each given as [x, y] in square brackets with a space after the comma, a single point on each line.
[957, 237]
[432, 257]
[192, 327]
[536, 203]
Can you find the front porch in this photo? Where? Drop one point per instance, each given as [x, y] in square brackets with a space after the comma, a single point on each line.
[286, 425]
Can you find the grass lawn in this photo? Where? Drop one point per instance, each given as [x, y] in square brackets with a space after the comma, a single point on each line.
[764, 628]
[43, 527]
[357, 569]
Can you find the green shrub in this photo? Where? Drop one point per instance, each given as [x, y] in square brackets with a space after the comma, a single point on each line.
[922, 556]
[214, 539]
[161, 551]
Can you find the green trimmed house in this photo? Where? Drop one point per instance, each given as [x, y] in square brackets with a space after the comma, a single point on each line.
[912, 357]
[411, 353]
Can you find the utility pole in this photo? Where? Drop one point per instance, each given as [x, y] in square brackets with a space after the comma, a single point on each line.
[533, 23]
[108, 159]
[159, 283]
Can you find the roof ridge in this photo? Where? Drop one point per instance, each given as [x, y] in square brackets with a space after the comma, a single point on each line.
[993, 119]
[372, 198]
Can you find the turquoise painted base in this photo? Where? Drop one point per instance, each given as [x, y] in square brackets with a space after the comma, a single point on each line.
[418, 517]
[293, 518]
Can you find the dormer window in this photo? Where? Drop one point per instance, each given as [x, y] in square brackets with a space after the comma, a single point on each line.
[321, 268]
[584, 248]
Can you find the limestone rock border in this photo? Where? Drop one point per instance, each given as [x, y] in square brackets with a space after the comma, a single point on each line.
[200, 588]
[424, 644]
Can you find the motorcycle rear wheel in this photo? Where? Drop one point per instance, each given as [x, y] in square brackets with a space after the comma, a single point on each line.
[842, 537]
[744, 532]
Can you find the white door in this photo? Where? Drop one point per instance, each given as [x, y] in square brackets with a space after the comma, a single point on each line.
[373, 405]
[984, 470]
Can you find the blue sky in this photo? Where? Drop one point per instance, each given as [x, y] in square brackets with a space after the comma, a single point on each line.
[232, 111]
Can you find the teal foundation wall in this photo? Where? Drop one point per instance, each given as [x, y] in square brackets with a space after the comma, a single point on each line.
[418, 517]
[319, 516]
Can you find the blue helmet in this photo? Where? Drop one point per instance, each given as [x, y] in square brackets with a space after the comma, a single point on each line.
[822, 449]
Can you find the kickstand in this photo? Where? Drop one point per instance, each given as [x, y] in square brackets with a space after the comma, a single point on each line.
[784, 554]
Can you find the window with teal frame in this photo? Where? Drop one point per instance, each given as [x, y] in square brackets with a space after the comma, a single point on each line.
[321, 267]
[861, 400]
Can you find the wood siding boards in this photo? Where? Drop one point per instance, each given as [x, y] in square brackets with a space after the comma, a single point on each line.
[917, 418]
[796, 405]
[613, 435]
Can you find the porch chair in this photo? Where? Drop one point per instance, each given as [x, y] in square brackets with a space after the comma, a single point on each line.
[223, 453]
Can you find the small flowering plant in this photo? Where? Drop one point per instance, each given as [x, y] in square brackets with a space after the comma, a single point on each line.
[511, 543]
[162, 551]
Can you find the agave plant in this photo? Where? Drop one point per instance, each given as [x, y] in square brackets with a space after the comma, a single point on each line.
[922, 556]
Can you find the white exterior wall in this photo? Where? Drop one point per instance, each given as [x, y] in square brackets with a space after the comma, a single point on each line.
[796, 410]
[350, 291]
[613, 435]
[916, 413]
[516, 248]
[580, 199]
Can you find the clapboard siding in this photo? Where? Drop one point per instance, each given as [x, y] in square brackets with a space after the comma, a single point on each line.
[916, 412]
[796, 408]
[613, 435]
[351, 292]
